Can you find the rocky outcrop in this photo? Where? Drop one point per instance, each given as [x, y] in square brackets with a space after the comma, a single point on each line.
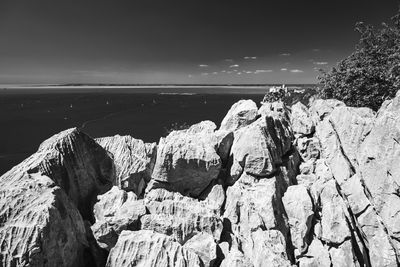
[116, 210]
[187, 160]
[276, 186]
[242, 113]
[181, 217]
[134, 161]
[45, 198]
[301, 120]
[147, 248]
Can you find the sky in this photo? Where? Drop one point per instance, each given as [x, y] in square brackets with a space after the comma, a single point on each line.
[185, 41]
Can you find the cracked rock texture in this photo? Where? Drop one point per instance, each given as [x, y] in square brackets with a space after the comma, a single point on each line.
[273, 186]
[134, 161]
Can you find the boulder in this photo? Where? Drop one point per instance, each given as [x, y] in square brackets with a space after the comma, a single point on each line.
[351, 125]
[259, 147]
[317, 255]
[379, 168]
[187, 160]
[235, 258]
[300, 211]
[300, 118]
[116, 210]
[147, 248]
[134, 161]
[343, 255]
[242, 113]
[81, 167]
[335, 229]
[39, 224]
[256, 217]
[204, 246]
[181, 217]
[321, 108]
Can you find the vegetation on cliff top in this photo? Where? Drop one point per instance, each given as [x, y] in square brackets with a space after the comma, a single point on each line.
[371, 74]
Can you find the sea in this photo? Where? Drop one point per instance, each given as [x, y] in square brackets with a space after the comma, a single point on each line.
[29, 116]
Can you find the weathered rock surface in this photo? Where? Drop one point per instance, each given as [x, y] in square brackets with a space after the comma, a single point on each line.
[277, 186]
[44, 198]
[134, 161]
[301, 120]
[240, 114]
[116, 210]
[182, 217]
[80, 166]
[187, 160]
[39, 225]
[259, 147]
[147, 248]
[300, 211]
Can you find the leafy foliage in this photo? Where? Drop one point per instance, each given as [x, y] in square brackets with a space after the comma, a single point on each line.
[371, 74]
[270, 97]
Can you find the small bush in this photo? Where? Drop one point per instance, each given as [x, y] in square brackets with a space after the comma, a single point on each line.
[371, 74]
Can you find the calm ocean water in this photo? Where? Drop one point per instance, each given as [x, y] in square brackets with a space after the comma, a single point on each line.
[28, 117]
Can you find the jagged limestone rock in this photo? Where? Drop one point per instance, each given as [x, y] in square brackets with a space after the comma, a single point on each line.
[181, 217]
[187, 160]
[253, 208]
[317, 255]
[240, 114]
[80, 166]
[351, 125]
[204, 246]
[116, 210]
[300, 211]
[320, 108]
[379, 165]
[39, 224]
[302, 123]
[147, 248]
[40, 199]
[259, 147]
[134, 161]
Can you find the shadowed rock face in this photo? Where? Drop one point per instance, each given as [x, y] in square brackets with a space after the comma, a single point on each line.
[45, 198]
[134, 161]
[315, 186]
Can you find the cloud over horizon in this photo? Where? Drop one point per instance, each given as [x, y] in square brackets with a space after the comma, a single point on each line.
[296, 71]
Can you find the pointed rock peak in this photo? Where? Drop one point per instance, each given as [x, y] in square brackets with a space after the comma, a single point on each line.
[240, 114]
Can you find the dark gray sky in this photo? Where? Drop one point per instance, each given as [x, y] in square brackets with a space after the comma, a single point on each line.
[171, 41]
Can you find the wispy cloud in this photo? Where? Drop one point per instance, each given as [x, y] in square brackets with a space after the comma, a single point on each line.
[247, 71]
[296, 71]
[284, 69]
[203, 65]
[215, 73]
[262, 71]
[204, 73]
[234, 66]
[316, 50]
[228, 60]
[321, 63]
[285, 54]
[250, 57]
[190, 75]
